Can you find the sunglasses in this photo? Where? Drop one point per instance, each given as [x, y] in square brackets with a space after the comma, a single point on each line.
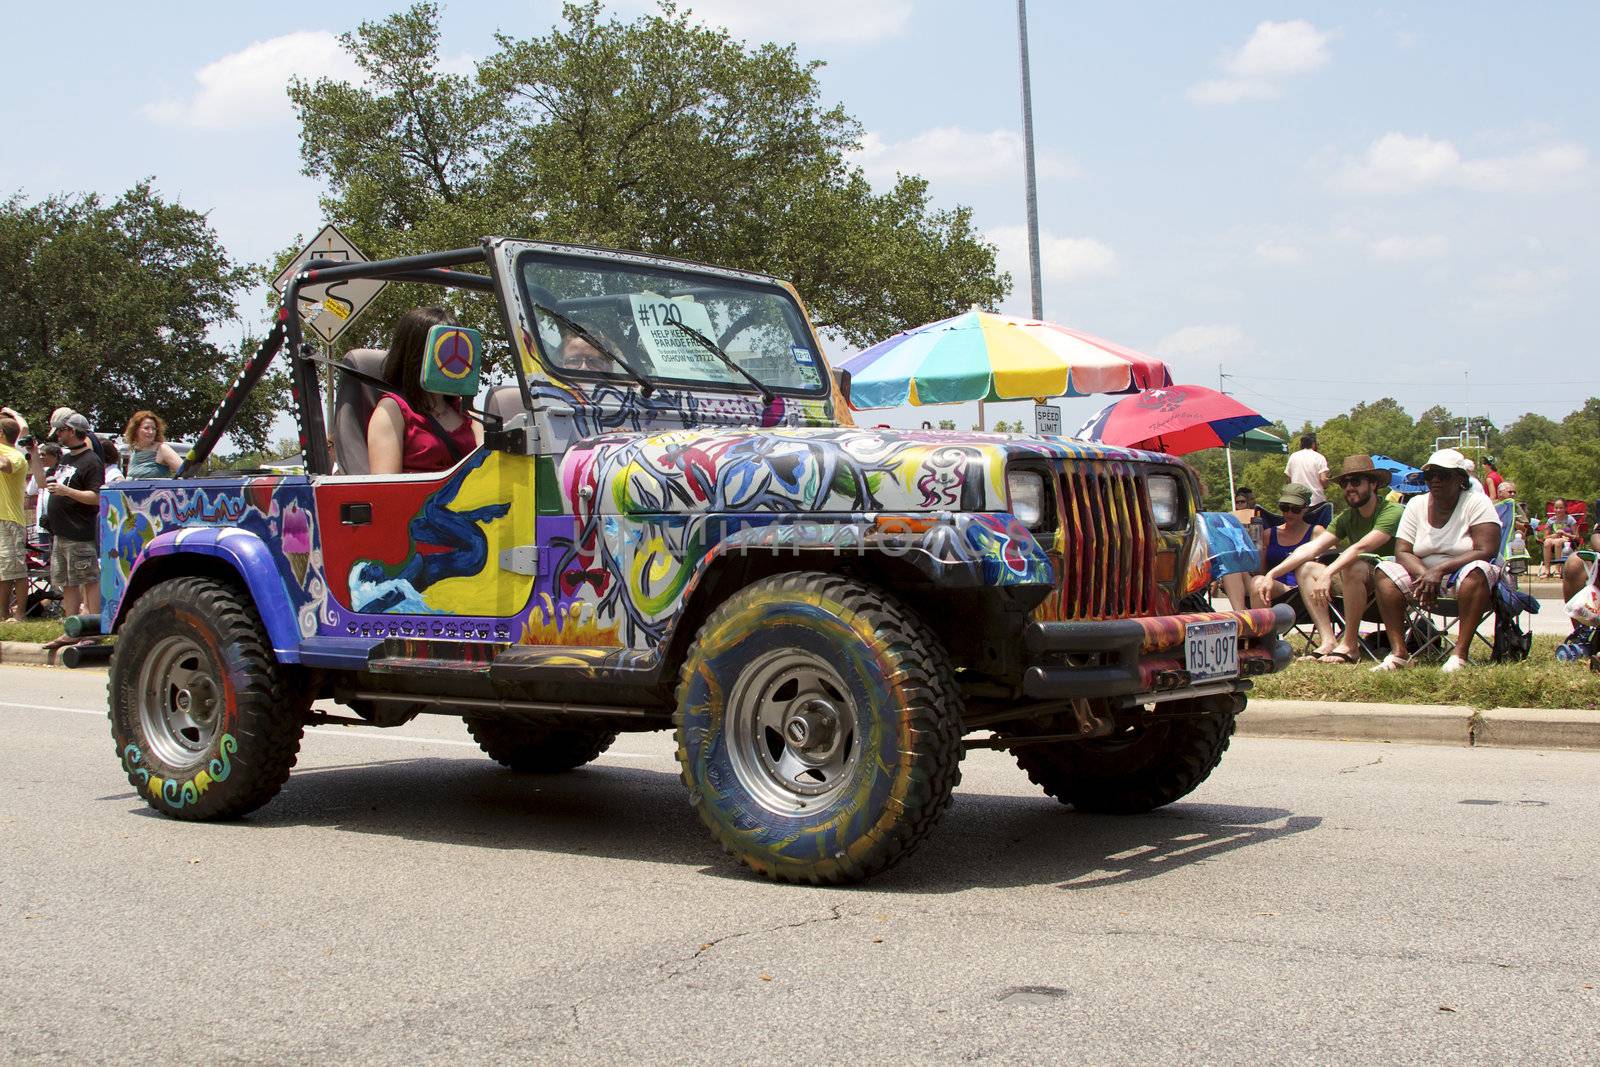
[1437, 474]
[1291, 509]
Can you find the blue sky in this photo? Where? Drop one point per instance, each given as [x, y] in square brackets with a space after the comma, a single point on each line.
[1334, 202]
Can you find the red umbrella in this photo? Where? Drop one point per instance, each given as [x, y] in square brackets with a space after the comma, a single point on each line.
[1177, 420]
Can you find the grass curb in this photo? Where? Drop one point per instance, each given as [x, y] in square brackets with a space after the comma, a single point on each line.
[1540, 681]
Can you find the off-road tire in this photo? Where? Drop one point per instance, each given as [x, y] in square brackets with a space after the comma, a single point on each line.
[206, 722]
[539, 748]
[883, 751]
[1137, 771]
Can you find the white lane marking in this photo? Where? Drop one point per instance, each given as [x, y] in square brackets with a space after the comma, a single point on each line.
[345, 731]
[53, 707]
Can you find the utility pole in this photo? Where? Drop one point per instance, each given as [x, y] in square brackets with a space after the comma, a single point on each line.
[1035, 287]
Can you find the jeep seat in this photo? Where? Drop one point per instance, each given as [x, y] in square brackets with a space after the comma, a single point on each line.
[353, 401]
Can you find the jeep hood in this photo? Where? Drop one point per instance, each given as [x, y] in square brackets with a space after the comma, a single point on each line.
[807, 470]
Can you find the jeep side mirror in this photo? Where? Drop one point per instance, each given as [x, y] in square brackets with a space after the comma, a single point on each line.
[841, 381]
[452, 360]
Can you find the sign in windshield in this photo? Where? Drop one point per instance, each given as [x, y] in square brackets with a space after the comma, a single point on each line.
[648, 317]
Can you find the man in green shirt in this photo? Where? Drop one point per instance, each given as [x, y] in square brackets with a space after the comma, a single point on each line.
[1363, 532]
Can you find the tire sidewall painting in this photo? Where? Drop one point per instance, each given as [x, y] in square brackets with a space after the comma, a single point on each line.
[167, 785]
[881, 776]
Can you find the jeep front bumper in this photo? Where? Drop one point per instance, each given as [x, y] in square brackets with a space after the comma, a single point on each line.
[1142, 660]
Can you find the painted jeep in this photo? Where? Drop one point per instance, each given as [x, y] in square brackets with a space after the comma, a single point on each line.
[692, 536]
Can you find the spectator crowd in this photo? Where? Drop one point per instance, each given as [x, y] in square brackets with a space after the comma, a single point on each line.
[1383, 556]
[50, 505]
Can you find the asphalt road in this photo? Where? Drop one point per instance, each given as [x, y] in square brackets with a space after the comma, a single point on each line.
[406, 900]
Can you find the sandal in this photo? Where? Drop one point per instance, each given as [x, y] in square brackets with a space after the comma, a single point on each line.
[60, 642]
[1392, 662]
[1337, 655]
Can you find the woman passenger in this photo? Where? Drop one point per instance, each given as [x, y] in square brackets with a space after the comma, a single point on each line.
[149, 455]
[411, 429]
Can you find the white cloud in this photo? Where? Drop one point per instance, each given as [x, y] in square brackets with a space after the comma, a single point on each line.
[849, 22]
[1279, 253]
[1275, 52]
[949, 153]
[1402, 163]
[247, 87]
[1405, 249]
[1061, 259]
[1215, 341]
[1518, 292]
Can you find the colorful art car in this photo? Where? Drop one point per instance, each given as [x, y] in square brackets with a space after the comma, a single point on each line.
[686, 533]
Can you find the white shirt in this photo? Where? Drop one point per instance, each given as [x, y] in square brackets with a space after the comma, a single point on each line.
[1435, 544]
[1307, 467]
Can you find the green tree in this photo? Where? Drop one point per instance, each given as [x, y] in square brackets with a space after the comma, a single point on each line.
[113, 307]
[659, 135]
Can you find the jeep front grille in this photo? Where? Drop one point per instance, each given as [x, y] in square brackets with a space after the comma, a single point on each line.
[1105, 545]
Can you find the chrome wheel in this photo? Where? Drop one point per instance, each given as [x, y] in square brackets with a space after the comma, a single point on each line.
[180, 704]
[792, 731]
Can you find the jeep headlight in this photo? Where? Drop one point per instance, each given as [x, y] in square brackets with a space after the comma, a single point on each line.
[1165, 499]
[1027, 497]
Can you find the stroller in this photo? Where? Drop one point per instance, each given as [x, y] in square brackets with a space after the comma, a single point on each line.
[44, 599]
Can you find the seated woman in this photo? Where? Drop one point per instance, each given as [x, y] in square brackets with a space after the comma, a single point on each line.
[1446, 543]
[1281, 541]
[412, 430]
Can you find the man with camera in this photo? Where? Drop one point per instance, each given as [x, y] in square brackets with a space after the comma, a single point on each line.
[73, 512]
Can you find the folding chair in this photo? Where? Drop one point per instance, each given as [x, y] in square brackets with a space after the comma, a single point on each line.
[1429, 630]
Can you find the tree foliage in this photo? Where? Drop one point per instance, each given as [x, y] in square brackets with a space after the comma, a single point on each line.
[113, 307]
[658, 135]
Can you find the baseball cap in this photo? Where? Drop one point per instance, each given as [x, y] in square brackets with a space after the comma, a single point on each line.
[1297, 494]
[73, 420]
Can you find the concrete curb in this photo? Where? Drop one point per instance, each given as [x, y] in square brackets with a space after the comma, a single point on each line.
[1427, 724]
[27, 652]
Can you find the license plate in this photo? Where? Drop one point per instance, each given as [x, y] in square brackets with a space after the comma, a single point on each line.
[1212, 649]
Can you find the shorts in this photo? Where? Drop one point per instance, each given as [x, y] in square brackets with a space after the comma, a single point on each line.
[13, 552]
[73, 563]
[1404, 581]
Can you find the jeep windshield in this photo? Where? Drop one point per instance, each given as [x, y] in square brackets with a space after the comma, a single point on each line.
[636, 310]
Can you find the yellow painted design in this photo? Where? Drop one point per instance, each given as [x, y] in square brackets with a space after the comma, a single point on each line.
[202, 782]
[577, 627]
[492, 591]
[155, 785]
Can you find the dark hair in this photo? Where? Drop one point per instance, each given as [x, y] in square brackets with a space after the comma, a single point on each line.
[110, 454]
[1308, 440]
[402, 367]
[1242, 490]
[9, 427]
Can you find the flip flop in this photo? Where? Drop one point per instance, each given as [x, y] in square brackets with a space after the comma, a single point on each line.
[61, 642]
[1338, 655]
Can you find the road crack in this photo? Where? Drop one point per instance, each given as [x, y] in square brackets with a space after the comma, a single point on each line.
[688, 963]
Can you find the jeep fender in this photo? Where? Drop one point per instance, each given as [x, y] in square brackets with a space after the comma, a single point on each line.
[241, 551]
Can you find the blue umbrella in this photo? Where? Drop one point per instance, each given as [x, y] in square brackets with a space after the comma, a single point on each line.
[1400, 475]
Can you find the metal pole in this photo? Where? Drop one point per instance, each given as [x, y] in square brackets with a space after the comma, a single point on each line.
[1232, 494]
[1035, 286]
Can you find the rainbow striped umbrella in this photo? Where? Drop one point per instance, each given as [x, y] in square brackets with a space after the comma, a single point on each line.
[979, 355]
